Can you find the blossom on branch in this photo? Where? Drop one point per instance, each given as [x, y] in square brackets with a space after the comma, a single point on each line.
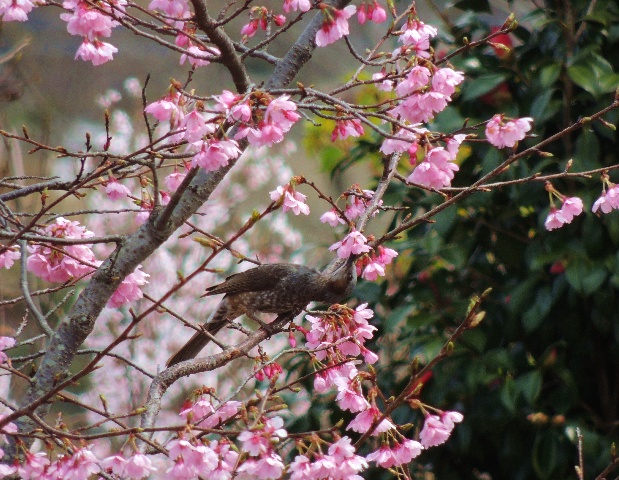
[436, 430]
[116, 190]
[214, 153]
[354, 243]
[294, 5]
[571, 207]
[506, 134]
[96, 51]
[15, 10]
[291, 200]
[129, 289]
[334, 25]
[9, 257]
[62, 262]
[608, 201]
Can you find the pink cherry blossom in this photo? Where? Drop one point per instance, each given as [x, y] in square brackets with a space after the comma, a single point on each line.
[572, 207]
[294, 5]
[434, 432]
[363, 421]
[173, 8]
[166, 108]
[381, 81]
[63, 262]
[96, 51]
[350, 397]
[8, 258]
[383, 457]
[250, 29]
[335, 25]
[174, 180]
[129, 289]
[445, 80]
[450, 418]
[406, 140]
[139, 466]
[15, 10]
[282, 112]
[417, 37]
[417, 78]
[34, 466]
[214, 153]
[406, 451]
[347, 128]
[376, 12]
[332, 218]
[362, 14]
[195, 126]
[198, 57]
[354, 243]
[555, 219]
[5, 342]
[436, 171]
[86, 21]
[291, 199]
[116, 190]
[506, 134]
[608, 201]
[115, 464]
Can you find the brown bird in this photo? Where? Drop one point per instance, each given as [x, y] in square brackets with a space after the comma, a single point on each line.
[276, 288]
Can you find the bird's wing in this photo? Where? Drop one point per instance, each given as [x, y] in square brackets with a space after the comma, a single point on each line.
[262, 277]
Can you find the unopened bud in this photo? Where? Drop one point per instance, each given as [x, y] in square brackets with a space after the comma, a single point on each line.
[607, 124]
[477, 319]
[206, 242]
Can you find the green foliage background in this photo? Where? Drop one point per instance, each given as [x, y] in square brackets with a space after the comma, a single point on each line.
[545, 359]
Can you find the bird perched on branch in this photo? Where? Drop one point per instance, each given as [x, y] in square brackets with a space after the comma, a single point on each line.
[276, 288]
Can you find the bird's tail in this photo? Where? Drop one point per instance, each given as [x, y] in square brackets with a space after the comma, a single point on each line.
[190, 350]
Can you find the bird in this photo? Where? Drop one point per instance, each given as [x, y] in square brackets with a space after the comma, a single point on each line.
[279, 288]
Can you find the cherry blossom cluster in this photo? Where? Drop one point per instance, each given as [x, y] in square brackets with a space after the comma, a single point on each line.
[372, 265]
[290, 199]
[193, 459]
[262, 119]
[438, 167]
[570, 208]
[357, 200]
[437, 429]
[91, 23]
[203, 413]
[61, 263]
[355, 243]
[609, 200]
[340, 462]
[261, 17]
[259, 442]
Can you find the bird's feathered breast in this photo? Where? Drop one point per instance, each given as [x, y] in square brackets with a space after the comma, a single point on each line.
[260, 278]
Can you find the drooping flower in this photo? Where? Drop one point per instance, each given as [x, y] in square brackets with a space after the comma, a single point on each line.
[129, 289]
[9, 257]
[335, 25]
[506, 134]
[291, 199]
[354, 243]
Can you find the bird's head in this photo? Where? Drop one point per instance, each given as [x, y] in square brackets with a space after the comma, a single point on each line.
[341, 275]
